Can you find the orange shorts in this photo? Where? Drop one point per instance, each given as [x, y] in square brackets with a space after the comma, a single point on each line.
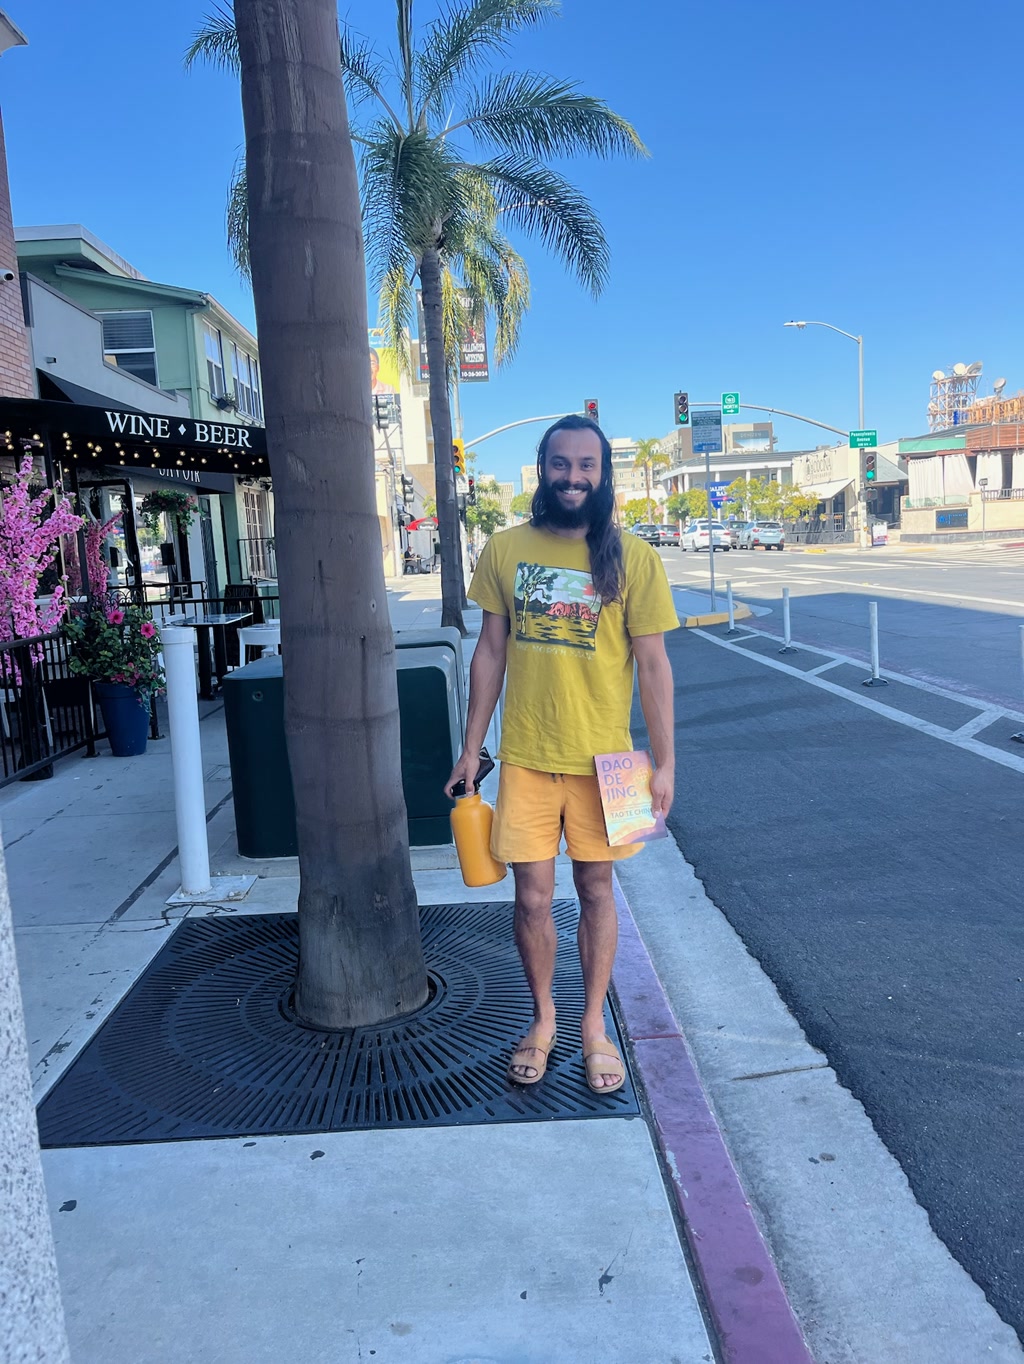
[534, 810]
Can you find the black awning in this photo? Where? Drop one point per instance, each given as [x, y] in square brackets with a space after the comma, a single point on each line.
[85, 435]
[52, 386]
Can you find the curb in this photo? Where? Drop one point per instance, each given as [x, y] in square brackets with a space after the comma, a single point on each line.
[740, 612]
[747, 1302]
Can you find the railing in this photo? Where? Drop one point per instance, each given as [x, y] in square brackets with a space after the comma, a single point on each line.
[1002, 494]
[924, 503]
[827, 530]
[45, 713]
[258, 557]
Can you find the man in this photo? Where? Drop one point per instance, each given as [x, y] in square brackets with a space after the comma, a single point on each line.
[570, 608]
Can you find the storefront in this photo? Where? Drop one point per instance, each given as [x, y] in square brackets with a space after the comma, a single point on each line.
[174, 480]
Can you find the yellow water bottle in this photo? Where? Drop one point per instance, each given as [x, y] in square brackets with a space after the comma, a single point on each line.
[471, 827]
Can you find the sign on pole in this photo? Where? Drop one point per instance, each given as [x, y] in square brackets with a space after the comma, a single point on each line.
[706, 425]
[730, 404]
[863, 440]
[717, 491]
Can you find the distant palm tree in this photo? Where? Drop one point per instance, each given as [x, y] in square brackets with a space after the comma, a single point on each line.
[435, 208]
[649, 455]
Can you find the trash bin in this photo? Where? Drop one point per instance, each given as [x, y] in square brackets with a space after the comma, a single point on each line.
[431, 708]
[261, 780]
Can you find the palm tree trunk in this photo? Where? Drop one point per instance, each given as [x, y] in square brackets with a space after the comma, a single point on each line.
[452, 583]
[361, 959]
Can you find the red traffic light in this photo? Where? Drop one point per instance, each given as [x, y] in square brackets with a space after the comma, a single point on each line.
[590, 408]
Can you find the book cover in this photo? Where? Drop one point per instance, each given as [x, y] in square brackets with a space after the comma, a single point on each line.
[625, 782]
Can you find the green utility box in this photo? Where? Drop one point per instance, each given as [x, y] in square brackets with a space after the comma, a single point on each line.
[261, 780]
[431, 703]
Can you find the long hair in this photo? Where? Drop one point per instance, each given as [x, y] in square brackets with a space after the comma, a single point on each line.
[604, 540]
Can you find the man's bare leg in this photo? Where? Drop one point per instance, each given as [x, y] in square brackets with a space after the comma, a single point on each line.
[537, 940]
[598, 938]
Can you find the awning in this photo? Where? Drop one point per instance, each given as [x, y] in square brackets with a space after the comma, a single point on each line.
[825, 491]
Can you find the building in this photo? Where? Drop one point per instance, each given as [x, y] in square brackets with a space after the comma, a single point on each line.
[692, 472]
[848, 502]
[964, 483]
[528, 474]
[102, 334]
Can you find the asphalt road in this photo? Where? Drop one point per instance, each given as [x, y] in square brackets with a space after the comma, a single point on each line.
[951, 616]
[875, 873]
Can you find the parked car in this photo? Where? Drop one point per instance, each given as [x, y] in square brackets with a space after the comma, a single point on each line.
[734, 528]
[669, 535]
[648, 531]
[770, 534]
[697, 536]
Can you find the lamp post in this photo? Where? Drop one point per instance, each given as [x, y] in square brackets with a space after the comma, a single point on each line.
[860, 360]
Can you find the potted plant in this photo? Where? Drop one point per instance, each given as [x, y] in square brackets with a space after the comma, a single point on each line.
[118, 648]
[179, 504]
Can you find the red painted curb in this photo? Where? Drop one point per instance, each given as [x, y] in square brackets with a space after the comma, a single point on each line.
[751, 1313]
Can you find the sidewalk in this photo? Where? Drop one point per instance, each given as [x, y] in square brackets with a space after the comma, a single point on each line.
[536, 1243]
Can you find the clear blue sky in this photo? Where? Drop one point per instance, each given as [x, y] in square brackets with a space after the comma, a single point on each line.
[851, 161]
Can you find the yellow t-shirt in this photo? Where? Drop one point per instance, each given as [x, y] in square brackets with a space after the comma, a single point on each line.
[570, 657]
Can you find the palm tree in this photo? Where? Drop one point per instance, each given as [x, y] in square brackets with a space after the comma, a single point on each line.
[361, 960]
[649, 455]
[452, 152]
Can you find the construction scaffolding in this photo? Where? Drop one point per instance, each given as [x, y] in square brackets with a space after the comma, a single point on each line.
[952, 395]
[995, 409]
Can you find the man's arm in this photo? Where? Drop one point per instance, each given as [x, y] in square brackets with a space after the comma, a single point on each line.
[486, 675]
[654, 674]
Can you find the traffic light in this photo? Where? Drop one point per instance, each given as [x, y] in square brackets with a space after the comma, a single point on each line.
[408, 490]
[870, 467]
[682, 409]
[459, 458]
[590, 409]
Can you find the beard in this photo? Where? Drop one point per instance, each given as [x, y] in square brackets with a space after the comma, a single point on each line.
[568, 518]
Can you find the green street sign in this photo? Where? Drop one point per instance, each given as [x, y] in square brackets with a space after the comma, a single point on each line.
[863, 440]
[730, 404]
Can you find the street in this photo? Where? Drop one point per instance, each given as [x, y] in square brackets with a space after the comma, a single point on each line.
[949, 616]
[861, 843]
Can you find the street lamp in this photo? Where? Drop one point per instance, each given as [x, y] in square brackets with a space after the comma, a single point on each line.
[860, 358]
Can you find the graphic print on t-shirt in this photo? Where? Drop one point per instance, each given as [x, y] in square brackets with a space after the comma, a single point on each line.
[556, 606]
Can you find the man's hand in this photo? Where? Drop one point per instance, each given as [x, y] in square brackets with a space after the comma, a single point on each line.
[663, 785]
[464, 770]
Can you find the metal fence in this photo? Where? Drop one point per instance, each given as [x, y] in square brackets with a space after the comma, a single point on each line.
[829, 530]
[44, 711]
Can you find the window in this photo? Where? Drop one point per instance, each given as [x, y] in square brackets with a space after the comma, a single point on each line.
[214, 361]
[246, 377]
[257, 542]
[128, 343]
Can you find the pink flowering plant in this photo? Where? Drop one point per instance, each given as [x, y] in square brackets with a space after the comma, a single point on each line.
[30, 531]
[116, 642]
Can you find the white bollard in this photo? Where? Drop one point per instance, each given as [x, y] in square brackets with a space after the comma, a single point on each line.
[728, 599]
[178, 643]
[787, 637]
[875, 680]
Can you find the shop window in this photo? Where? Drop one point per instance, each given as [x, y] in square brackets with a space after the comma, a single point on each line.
[129, 344]
[214, 347]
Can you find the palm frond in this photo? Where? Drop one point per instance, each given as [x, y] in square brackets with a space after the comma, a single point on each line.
[407, 59]
[238, 218]
[455, 45]
[410, 190]
[535, 115]
[453, 320]
[395, 316]
[501, 283]
[215, 41]
[544, 204]
[364, 73]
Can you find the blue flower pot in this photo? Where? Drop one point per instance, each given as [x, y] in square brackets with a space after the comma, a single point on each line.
[125, 718]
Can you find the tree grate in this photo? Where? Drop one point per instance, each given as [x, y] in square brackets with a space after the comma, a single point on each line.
[205, 1045]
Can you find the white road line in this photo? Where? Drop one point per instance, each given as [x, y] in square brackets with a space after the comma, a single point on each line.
[945, 736]
[824, 667]
[978, 722]
[915, 592]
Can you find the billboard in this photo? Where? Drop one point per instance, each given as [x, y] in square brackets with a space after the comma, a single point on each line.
[384, 377]
[474, 367]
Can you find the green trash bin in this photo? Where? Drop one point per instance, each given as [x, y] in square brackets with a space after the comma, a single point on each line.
[431, 712]
[261, 780]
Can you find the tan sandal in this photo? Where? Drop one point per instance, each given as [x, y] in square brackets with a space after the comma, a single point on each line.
[607, 1050]
[540, 1064]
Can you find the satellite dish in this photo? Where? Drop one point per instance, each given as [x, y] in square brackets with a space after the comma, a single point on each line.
[938, 374]
[959, 370]
[933, 407]
[976, 368]
[998, 386]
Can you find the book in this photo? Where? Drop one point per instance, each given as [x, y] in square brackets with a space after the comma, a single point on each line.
[625, 782]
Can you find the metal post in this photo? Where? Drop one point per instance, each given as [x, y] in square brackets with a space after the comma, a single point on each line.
[875, 680]
[1018, 738]
[860, 379]
[728, 597]
[787, 638]
[711, 533]
[178, 644]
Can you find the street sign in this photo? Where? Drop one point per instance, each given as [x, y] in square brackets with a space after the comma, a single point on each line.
[863, 440]
[706, 425]
[717, 491]
[730, 404]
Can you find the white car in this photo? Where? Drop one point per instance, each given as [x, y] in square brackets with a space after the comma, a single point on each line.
[697, 536]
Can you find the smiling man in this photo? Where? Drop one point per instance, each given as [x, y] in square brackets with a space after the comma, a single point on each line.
[572, 610]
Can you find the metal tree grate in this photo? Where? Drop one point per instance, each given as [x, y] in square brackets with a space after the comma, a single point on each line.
[204, 1045]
